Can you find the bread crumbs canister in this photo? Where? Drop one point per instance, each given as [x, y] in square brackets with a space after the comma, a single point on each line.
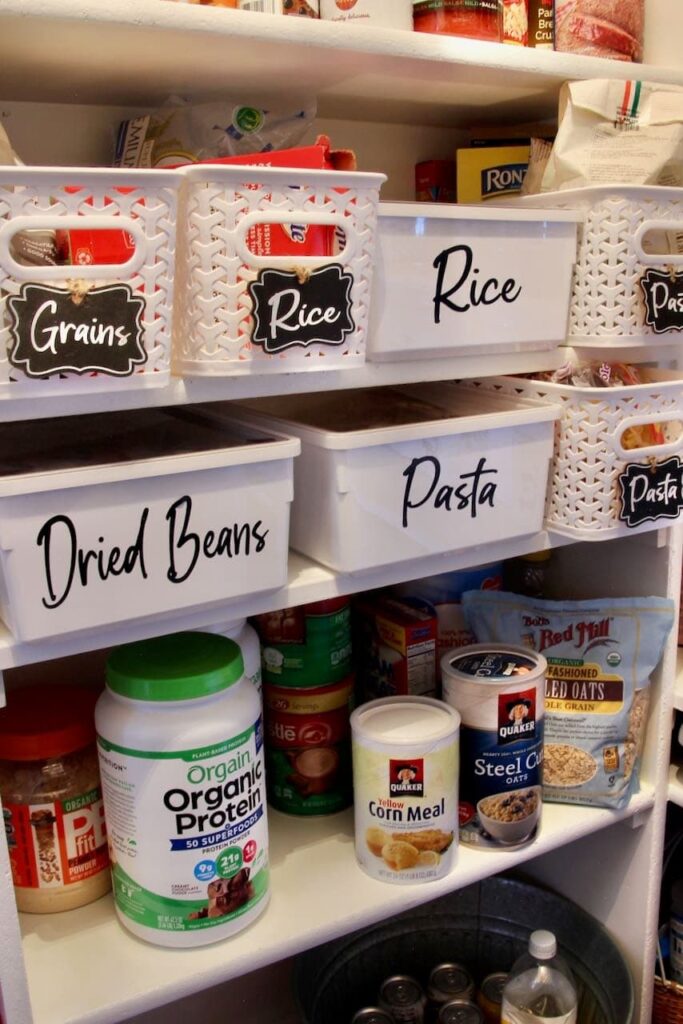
[180, 744]
[405, 779]
[499, 692]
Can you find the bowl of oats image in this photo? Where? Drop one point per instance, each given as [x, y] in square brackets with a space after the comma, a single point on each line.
[510, 818]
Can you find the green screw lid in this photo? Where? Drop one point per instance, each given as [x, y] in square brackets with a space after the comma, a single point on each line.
[182, 666]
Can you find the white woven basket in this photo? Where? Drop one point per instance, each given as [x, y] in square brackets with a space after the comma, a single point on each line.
[214, 322]
[141, 203]
[583, 491]
[621, 224]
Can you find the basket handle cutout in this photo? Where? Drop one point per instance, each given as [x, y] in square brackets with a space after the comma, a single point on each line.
[120, 239]
[296, 227]
[660, 242]
[658, 449]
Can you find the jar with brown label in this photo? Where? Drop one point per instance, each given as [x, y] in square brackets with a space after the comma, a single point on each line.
[51, 796]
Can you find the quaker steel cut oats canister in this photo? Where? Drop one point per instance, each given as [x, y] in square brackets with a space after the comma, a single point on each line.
[499, 692]
[405, 780]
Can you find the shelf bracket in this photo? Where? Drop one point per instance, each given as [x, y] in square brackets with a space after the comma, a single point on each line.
[640, 818]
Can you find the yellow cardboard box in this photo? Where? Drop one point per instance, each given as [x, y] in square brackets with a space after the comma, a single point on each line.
[487, 172]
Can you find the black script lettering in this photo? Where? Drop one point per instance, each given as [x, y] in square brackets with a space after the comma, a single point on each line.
[480, 294]
[106, 565]
[176, 541]
[231, 541]
[471, 493]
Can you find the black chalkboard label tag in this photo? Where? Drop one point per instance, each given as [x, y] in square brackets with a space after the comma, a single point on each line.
[651, 492]
[51, 333]
[663, 293]
[293, 309]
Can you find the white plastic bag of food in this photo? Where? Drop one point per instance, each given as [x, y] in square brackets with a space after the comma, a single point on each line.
[600, 657]
[612, 132]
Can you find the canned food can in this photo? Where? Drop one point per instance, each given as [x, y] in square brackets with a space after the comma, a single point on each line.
[405, 778]
[460, 1011]
[490, 996]
[382, 13]
[448, 982]
[499, 691]
[308, 747]
[372, 1015]
[308, 8]
[402, 997]
[306, 646]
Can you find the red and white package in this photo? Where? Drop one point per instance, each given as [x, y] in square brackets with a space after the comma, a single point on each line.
[601, 28]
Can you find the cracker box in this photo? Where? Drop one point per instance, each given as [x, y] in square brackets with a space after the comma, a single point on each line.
[394, 646]
[490, 172]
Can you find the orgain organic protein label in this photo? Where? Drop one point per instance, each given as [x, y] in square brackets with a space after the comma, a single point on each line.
[188, 832]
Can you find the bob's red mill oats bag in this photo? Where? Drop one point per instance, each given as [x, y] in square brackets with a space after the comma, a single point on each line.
[600, 657]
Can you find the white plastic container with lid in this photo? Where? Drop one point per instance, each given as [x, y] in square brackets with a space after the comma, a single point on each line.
[188, 833]
[405, 781]
[540, 987]
[246, 638]
[406, 472]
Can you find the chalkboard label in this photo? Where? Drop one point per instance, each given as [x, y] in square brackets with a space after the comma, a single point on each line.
[651, 492]
[663, 293]
[51, 333]
[293, 310]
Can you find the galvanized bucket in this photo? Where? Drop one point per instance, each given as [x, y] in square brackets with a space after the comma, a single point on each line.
[485, 927]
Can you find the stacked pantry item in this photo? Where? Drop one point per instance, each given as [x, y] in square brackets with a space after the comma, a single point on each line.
[403, 473]
[121, 516]
[86, 279]
[308, 693]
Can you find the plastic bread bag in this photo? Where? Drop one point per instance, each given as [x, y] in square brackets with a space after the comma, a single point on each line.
[600, 657]
[180, 133]
[612, 132]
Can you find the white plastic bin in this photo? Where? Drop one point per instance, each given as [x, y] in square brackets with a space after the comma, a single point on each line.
[82, 327]
[125, 516]
[585, 496]
[392, 474]
[465, 280]
[274, 269]
[631, 237]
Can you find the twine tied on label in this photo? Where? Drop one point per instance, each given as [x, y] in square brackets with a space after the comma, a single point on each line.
[652, 462]
[303, 274]
[672, 273]
[78, 289]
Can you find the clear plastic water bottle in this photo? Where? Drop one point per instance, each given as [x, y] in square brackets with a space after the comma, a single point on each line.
[540, 987]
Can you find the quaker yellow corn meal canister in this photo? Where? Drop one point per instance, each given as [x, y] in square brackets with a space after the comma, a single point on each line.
[499, 692]
[405, 778]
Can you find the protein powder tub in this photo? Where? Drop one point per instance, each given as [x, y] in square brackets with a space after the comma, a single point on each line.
[499, 692]
[52, 802]
[181, 756]
[405, 780]
[246, 638]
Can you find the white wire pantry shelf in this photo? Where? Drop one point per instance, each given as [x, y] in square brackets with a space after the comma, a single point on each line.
[83, 968]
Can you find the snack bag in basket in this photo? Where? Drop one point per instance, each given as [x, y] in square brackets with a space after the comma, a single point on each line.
[600, 657]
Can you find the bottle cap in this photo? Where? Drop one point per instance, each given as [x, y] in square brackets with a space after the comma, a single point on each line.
[182, 666]
[543, 945]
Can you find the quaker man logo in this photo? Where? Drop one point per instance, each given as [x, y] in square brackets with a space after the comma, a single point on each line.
[406, 778]
[516, 716]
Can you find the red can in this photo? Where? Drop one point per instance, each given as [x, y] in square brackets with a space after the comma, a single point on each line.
[476, 19]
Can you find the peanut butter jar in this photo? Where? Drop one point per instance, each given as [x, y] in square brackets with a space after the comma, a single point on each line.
[51, 798]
